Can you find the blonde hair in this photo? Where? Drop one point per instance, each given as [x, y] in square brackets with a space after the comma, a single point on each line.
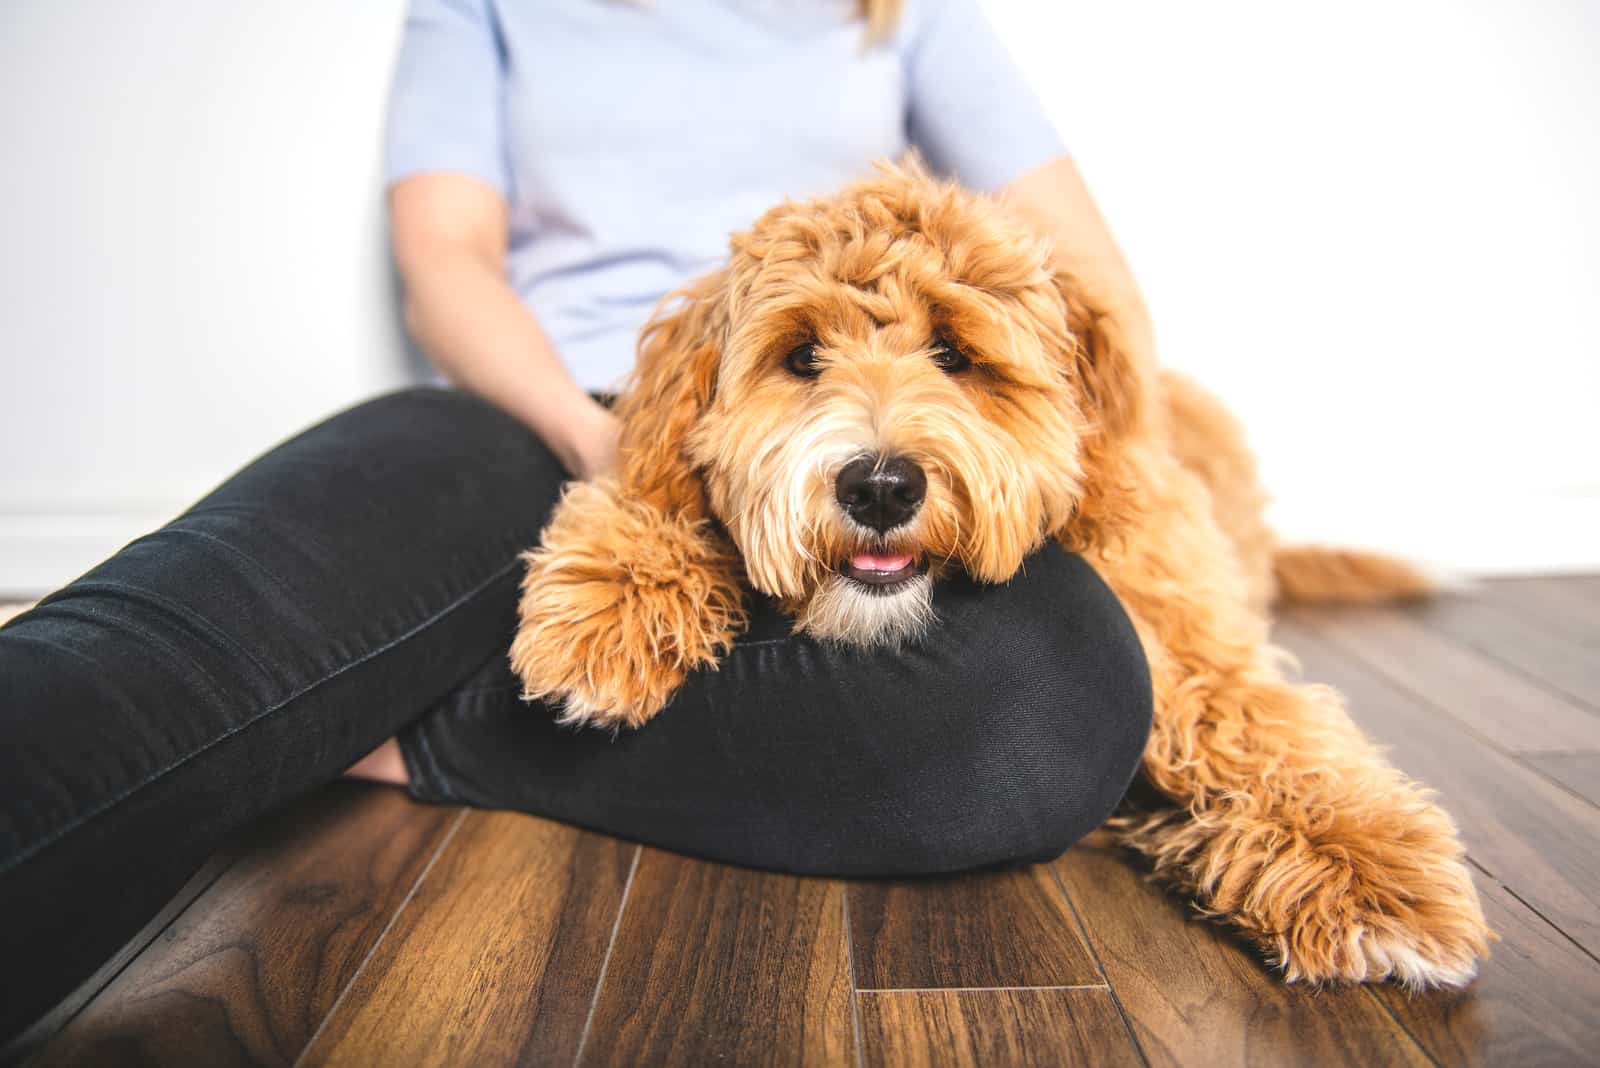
[882, 16]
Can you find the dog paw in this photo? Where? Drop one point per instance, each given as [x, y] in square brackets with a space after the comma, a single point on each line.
[1434, 941]
[619, 604]
[1367, 884]
[593, 675]
[1402, 911]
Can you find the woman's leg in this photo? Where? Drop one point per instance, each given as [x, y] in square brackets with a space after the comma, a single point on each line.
[249, 650]
[1013, 730]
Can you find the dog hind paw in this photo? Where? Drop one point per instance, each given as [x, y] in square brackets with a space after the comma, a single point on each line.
[1419, 966]
[1431, 936]
[1415, 957]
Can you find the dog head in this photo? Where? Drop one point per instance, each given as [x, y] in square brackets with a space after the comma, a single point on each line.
[879, 386]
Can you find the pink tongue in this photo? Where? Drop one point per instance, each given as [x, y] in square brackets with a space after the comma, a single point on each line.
[876, 562]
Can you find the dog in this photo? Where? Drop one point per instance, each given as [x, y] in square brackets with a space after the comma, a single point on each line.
[885, 384]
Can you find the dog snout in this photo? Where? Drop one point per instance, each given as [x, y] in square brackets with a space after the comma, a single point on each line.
[880, 492]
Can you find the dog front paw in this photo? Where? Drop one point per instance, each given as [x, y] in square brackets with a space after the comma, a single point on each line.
[588, 668]
[619, 604]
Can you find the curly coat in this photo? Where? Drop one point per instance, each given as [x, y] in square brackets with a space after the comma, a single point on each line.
[1277, 815]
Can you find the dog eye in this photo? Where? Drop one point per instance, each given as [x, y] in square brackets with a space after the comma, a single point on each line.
[802, 361]
[948, 358]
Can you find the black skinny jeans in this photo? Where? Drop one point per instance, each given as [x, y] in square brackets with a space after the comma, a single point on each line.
[360, 581]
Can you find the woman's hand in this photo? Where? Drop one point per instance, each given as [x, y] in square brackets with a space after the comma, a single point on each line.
[592, 446]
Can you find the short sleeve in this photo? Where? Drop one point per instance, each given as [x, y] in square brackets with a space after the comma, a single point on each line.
[445, 104]
[970, 112]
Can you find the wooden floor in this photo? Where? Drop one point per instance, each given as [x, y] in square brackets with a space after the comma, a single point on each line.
[361, 929]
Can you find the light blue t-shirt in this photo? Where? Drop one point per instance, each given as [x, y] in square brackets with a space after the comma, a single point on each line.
[629, 139]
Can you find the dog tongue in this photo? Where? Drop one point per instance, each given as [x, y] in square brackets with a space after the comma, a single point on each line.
[880, 562]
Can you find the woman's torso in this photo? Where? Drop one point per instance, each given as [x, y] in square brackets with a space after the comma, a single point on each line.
[638, 137]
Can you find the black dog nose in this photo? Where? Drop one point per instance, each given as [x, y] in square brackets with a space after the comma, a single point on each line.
[880, 493]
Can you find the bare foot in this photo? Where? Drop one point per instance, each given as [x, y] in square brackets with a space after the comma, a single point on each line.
[383, 764]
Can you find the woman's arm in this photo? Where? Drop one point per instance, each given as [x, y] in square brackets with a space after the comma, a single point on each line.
[1054, 197]
[449, 235]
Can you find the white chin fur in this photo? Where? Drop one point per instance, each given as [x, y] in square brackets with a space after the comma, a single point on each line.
[845, 611]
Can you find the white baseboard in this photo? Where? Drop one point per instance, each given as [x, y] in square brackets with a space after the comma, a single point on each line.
[42, 551]
[1540, 533]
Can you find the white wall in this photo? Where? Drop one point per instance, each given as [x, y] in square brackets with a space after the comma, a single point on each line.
[192, 263]
[1372, 227]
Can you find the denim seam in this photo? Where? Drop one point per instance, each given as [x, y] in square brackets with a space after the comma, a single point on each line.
[111, 803]
[434, 772]
[227, 546]
[414, 772]
[248, 559]
[66, 608]
[203, 624]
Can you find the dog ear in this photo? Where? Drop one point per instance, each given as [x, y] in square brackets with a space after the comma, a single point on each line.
[1114, 393]
[671, 386]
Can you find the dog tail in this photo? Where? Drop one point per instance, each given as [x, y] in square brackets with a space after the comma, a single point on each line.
[1311, 573]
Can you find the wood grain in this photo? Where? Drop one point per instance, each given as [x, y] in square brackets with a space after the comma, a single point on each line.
[1470, 686]
[1534, 836]
[1556, 660]
[1533, 1003]
[496, 958]
[1578, 772]
[721, 965]
[993, 1028]
[986, 929]
[365, 926]
[245, 975]
[1193, 994]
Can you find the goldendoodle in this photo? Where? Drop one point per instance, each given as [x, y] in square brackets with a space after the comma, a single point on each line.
[895, 381]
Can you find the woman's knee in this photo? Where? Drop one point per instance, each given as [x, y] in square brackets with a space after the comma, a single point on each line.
[1050, 692]
[1010, 732]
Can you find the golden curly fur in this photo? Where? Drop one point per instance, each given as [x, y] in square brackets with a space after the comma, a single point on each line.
[1278, 815]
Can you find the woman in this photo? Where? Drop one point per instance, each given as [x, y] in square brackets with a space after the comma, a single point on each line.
[554, 170]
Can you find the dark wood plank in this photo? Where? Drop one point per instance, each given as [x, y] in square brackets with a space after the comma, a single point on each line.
[497, 956]
[1534, 836]
[1533, 1003]
[1556, 602]
[1473, 688]
[247, 973]
[993, 1028]
[986, 929]
[1555, 660]
[720, 965]
[1195, 995]
[1578, 772]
